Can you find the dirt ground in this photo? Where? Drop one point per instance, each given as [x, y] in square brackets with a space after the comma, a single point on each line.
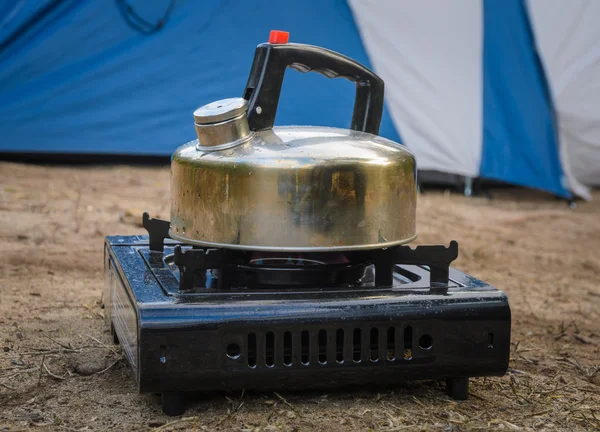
[59, 369]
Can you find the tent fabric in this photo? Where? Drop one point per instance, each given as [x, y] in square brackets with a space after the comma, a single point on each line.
[519, 137]
[568, 40]
[75, 77]
[429, 55]
[498, 89]
[465, 87]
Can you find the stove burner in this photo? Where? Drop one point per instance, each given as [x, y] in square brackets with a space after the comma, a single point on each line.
[199, 268]
[275, 261]
[301, 259]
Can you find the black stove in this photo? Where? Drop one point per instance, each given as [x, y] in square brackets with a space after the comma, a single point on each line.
[192, 319]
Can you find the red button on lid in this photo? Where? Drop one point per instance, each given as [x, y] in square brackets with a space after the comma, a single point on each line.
[279, 37]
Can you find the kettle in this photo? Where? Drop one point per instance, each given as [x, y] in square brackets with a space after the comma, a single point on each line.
[245, 184]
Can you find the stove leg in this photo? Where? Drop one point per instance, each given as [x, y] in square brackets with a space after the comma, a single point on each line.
[173, 403]
[458, 388]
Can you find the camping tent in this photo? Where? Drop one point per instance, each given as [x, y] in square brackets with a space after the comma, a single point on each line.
[504, 90]
[568, 40]
[475, 88]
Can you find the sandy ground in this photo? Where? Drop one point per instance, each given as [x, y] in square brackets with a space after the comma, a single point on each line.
[59, 369]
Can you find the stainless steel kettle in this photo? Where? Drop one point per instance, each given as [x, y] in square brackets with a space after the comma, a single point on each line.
[244, 184]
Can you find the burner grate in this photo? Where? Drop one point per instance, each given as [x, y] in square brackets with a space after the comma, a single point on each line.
[243, 269]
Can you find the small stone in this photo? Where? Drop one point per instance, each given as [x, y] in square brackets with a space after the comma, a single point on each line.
[86, 365]
[35, 417]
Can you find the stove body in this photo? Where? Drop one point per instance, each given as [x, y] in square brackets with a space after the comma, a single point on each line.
[182, 329]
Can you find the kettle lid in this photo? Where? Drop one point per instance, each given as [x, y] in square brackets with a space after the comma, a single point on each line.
[220, 111]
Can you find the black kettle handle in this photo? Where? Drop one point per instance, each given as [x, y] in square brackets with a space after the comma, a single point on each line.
[266, 77]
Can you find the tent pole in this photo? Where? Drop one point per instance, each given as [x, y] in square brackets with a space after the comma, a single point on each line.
[468, 188]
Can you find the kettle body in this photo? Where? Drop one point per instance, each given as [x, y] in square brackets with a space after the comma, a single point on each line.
[244, 184]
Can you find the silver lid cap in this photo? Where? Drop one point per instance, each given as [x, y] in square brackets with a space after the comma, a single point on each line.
[220, 111]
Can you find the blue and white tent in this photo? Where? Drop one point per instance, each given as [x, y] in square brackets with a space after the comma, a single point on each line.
[498, 89]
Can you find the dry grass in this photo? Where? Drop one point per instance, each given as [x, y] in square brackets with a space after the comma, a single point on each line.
[59, 370]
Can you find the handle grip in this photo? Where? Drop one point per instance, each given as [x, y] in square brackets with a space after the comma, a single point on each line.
[268, 69]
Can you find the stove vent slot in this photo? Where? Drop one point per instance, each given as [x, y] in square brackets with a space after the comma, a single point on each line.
[339, 346]
[252, 350]
[270, 349]
[305, 347]
[287, 348]
[408, 341]
[391, 344]
[374, 344]
[356, 346]
[323, 346]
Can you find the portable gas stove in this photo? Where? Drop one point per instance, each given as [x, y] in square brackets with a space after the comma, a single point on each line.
[193, 319]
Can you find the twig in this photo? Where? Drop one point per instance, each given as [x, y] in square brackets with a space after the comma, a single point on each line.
[229, 412]
[112, 364]
[58, 343]
[22, 371]
[476, 396]
[49, 351]
[595, 418]
[90, 309]
[539, 413]
[181, 420]
[34, 348]
[103, 344]
[7, 386]
[41, 368]
[283, 400]
[52, 374]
